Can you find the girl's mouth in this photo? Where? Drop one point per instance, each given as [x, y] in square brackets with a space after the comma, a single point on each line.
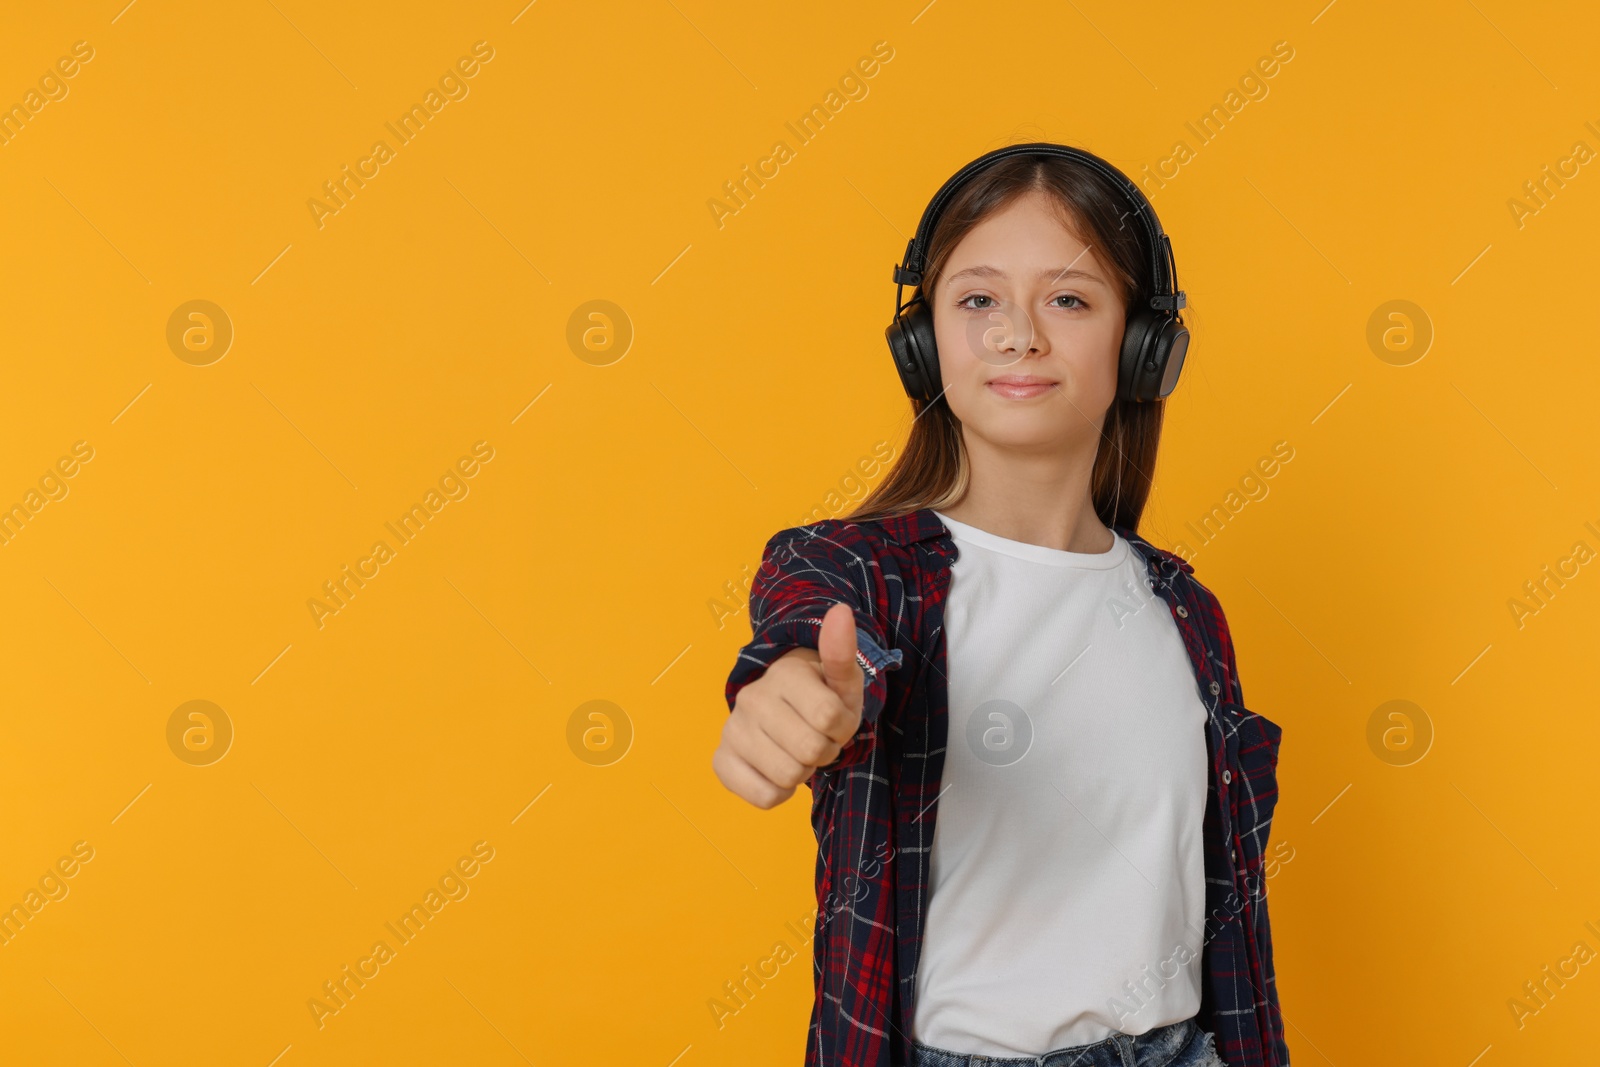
[1020, 387]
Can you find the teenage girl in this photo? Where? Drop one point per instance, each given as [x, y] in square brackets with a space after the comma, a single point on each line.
[1021, 722]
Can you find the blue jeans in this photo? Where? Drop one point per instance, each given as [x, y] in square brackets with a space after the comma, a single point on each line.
[1178, 1045]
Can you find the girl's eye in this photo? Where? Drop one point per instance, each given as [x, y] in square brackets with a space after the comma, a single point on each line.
[975, 296]
[1069, 296]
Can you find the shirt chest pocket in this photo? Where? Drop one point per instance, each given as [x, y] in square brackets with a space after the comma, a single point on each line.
[1251, 778]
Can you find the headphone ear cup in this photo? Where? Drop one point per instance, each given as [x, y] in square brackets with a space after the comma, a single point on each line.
[1153, 347]
[1173, 346]
[1131, 372]
[915, 350]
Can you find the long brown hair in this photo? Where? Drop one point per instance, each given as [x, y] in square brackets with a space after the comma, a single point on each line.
[932, 469]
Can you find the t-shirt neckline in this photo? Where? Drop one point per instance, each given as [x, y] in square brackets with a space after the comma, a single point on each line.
[1054, 557]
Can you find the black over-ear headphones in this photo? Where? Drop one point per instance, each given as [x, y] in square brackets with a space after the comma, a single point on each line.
[1153, 343]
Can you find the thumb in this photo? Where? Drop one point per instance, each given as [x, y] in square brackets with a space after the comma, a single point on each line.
[836, 647]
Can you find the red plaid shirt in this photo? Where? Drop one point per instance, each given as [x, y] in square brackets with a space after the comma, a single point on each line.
[873, 808]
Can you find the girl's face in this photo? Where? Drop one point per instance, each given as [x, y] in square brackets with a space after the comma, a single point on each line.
[1029, 325]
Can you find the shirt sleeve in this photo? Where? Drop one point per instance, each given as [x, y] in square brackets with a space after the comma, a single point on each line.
[804, 571]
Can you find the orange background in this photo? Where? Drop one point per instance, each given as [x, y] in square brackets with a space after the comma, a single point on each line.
[597, 556]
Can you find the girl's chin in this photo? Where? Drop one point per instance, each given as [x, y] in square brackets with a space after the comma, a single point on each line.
[1025, 433]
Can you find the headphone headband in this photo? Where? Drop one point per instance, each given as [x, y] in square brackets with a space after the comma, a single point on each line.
[1165, 295]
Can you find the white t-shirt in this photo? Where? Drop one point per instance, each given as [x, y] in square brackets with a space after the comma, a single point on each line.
[1068, 872]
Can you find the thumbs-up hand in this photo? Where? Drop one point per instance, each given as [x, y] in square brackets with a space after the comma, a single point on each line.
[795, 718]
[836, 654]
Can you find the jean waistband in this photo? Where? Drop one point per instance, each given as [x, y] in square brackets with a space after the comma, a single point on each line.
[1153, 1048]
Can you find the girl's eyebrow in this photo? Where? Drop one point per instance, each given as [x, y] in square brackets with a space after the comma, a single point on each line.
[986, 271]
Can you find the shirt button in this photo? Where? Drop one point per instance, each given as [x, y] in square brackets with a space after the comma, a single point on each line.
[1227, 776]
[1232, 856]
[1183, 612]
[1215, 688]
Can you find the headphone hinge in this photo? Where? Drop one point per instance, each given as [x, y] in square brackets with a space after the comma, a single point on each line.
[902, 276]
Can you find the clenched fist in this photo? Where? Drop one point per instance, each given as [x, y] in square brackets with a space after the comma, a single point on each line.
[795, 718]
